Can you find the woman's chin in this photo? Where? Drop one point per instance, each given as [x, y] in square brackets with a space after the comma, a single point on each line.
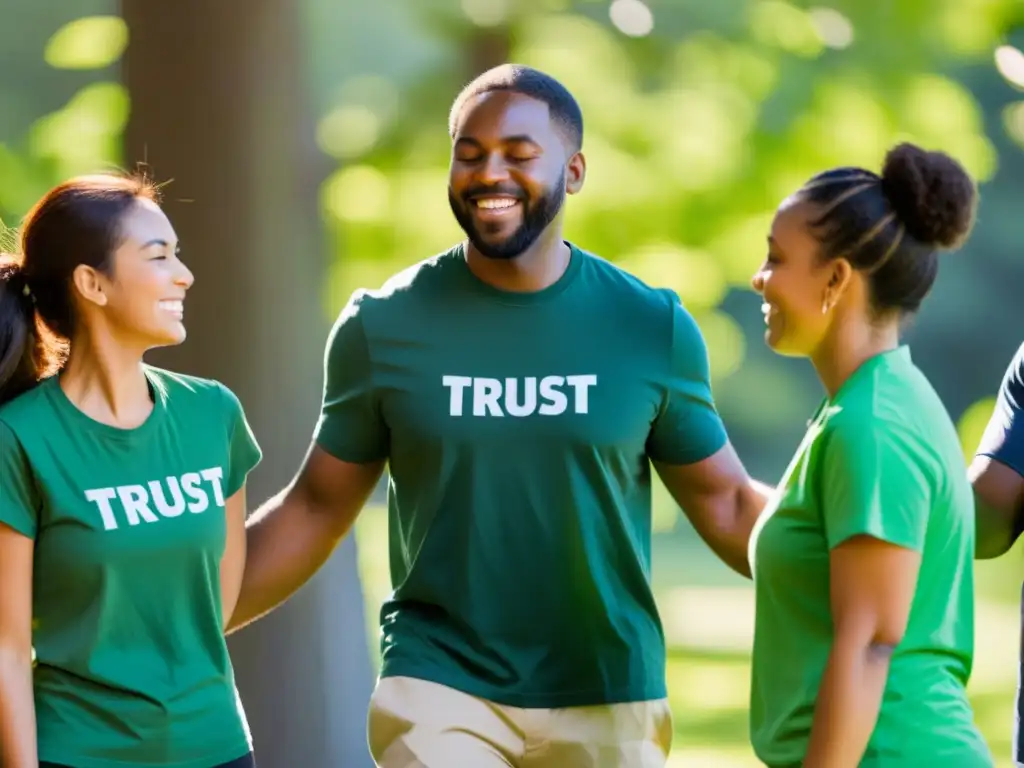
[171, 336]
[778, 344]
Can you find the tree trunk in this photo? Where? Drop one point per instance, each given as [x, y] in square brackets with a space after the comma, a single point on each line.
[220, 109]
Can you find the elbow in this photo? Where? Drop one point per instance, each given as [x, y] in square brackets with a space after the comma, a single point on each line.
[882, 647]
[753, 497]
[16, 660]
[877, 645]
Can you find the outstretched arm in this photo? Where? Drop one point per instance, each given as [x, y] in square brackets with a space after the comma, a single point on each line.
[692, 454]
[997, 472]
[721, 501]
[291, 536]
[998, 506]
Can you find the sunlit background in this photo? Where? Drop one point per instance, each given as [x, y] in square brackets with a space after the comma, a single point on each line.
[700, 117]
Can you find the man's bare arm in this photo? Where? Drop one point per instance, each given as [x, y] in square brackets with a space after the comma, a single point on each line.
[999, 504]
[721, 501]
[294, 533]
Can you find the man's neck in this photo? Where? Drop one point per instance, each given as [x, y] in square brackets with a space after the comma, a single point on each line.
[538, 267]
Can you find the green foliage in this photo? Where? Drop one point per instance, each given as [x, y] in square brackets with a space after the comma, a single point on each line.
[694, 134]
[83, 133]
[93, 42]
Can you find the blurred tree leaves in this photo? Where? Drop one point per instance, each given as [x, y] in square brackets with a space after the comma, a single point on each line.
[694, 134]
[66, 111]
[93, 42]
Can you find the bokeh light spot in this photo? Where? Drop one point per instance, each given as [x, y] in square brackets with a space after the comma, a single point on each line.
[1010, 63]
[834, 29]
[631, 17]
[93, 42]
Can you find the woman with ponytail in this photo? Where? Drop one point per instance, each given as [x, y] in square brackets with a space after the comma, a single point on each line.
[122, 498]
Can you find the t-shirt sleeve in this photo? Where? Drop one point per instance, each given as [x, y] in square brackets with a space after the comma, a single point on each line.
[19, 502]
[243, 451]
[687, 428]
[1003, 439]
[876, 481]
[351, 427]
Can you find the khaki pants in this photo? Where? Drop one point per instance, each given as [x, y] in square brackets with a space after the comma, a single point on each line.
[419, 724]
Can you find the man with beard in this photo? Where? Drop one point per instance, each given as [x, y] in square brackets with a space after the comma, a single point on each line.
[997, 474]
[519, 389]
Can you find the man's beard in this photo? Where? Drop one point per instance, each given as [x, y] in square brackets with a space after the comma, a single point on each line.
[536, 219]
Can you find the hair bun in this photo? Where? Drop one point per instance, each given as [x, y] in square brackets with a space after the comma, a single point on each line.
[931, 193]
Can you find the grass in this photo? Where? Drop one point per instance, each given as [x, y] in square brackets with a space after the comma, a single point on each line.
[708, 616]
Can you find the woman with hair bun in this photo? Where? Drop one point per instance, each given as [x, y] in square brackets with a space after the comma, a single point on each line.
[863, 558]
[122, 499]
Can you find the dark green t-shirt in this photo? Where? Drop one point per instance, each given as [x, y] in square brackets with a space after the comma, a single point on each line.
[132, 666]
[518, 430]
[881, 459]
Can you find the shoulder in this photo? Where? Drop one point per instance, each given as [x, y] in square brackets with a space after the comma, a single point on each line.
[180, 389]
[893, 391]
[1012, 389]
[654, 314]
[854, 436]
[658, 308]
[425, 277]
[28, 409]
[627, 286]
[10, 442]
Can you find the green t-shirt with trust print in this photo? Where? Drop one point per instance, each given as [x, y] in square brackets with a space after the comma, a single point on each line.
[129, 525]
[519, 430]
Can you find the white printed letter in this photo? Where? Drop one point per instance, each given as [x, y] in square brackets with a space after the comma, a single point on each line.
[556, 401]
[190, 483]
[458, 386]
[215, 476]
[135, 501]
[156, 492]
[486, 394]
[580, 384]
[529, 405]
[101, 498]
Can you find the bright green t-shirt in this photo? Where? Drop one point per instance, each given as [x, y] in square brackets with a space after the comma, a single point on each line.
[132, 666]
[882, 458]
[518, 428]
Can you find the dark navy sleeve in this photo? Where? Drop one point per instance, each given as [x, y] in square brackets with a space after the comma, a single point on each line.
[1004, 436]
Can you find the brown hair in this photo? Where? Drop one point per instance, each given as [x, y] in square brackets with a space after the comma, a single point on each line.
[77, 222]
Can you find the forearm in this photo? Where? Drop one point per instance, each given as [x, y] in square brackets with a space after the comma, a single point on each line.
[232, 562]
[231, 570]
[849, 700]
[734, 540]
[285, 546]
[995, 531]
[17, 712]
